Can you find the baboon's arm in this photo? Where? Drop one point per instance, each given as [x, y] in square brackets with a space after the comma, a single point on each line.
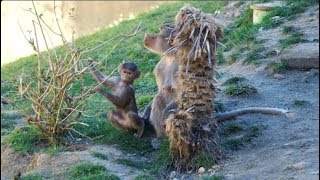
[109, 82]
[116, 100]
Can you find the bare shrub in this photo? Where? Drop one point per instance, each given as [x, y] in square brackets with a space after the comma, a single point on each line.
[57, 92]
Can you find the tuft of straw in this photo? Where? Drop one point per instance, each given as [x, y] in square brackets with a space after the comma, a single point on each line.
[194, 39]
[198, 30]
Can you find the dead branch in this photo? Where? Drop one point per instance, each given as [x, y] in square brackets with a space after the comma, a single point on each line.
[56, 105]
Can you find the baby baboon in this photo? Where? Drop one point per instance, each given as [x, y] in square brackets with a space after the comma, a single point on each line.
[165, 73]
[125, 115]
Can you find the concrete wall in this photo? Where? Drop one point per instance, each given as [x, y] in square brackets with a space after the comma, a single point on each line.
[90, 17]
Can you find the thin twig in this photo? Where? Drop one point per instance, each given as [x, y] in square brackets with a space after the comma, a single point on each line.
[80, 133]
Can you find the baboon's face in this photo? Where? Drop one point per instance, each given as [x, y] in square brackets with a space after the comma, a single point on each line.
[158, 43]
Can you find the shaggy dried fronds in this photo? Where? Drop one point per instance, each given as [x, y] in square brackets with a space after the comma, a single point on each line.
[194, 39]
[188, 138]
[198, 30]
[178, 128]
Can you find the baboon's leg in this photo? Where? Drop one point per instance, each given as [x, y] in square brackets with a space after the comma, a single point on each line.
[147, 112]
[136, 123]
[117, 120]
[171, 108]
[156, 115]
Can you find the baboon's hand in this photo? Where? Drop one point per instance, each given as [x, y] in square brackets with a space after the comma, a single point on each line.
[90, 62]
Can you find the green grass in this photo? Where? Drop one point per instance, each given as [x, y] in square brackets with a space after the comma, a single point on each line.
[212, 177]
[99, 155]
[163, 159]
[101, 176]
[219, 56]
[31, 176]
[103, 132]
[26, 139]
[8, 120]
[294, 38]
[242, 32]
[239, 89]
[254, 55]
[299, 102]
[235, 143]
[278, 67]
[86, 171]
[203, 159]
[10, 115]
[219, 106]
[236, 86]
[129, 49]
[233, 57]
[230, 128]
[288, 29]
[132, 163]
[142, 101]
[144, 177]
[234, 80]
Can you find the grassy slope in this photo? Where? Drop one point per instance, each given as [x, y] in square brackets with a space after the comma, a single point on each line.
[129, 49]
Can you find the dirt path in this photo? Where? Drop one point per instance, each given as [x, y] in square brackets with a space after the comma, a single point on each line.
[289, 146]
[59, 165]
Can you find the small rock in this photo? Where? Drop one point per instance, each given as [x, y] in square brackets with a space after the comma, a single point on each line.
[303, 56]
[225, 55]
[201, 170]
[314, 72]
[172, 174]
[275, 18]
[189, 172]
[278, 76]
[41, 159]
[215, 167]
[299, 166]
[185, 177]
[216, 13]
[310, 75]
[155, 143]
[147, 74]
[290, 115]
[274, 51]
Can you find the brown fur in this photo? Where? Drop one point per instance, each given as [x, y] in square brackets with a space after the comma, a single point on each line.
[125, 115]
[165, 73]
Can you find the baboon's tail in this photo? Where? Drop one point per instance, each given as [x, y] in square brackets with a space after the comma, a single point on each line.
[220, 117]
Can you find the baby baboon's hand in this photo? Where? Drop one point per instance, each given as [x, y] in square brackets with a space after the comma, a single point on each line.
[90, 62]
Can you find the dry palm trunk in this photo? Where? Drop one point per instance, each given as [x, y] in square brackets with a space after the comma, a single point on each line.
[192, 129]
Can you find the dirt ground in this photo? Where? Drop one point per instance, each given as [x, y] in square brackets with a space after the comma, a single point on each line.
[288, 147]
